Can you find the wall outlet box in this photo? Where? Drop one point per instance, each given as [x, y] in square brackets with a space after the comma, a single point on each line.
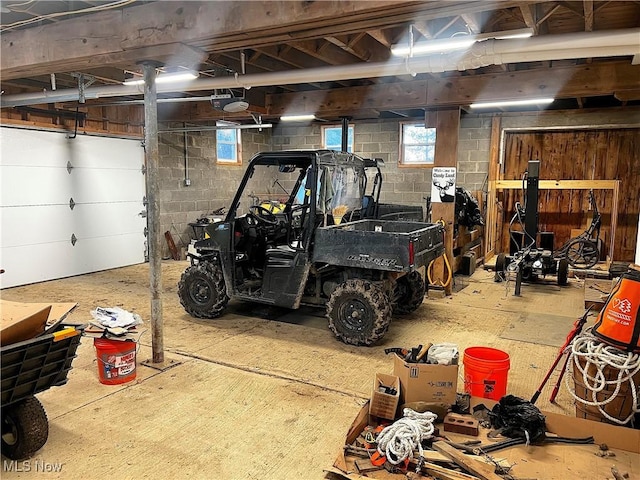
[187, 182]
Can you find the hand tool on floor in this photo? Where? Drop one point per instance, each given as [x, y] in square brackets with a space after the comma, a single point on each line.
[577, 329]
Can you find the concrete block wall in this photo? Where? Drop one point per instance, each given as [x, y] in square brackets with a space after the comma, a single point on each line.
[474, 139]
[371, 139]
[212, 185]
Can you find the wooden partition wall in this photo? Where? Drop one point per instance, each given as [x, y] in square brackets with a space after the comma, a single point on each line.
[585, 156]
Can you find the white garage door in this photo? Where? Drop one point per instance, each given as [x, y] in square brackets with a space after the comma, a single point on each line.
[68, 206]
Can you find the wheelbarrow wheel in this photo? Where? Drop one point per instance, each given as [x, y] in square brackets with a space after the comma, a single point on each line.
[25, 429]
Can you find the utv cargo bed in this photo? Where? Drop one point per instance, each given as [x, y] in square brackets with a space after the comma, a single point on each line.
[379, 244]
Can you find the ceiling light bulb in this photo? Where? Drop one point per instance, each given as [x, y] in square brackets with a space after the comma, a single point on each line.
[173, 77]
[434, 46]
[513, 103]
[176, 77]
[297, 118]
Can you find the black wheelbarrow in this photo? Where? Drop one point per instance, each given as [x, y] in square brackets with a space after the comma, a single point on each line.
[28, 368]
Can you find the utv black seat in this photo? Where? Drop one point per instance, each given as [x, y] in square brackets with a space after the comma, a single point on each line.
[281, 256]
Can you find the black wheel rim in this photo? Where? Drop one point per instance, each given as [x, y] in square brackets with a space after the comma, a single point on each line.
[200, 291]
[582, 254]
[356, 315]
[9, 432]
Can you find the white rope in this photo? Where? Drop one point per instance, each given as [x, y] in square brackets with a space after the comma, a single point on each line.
[397, 441]
[587, 350]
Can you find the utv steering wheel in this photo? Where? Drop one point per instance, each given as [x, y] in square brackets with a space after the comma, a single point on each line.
[263, 214]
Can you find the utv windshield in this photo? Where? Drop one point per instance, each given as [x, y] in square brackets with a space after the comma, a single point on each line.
[341, 184]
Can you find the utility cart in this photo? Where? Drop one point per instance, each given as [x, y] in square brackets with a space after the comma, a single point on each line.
[28, 368]
[313, 238]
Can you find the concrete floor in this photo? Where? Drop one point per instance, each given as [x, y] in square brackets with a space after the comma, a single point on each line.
[260, 399]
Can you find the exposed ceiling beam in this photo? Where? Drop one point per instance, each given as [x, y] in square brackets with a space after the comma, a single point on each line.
[528, 15]
[627, 95]
[104, 36]
[550, 12]
[423, 28]
[472, 22]
[566, 82]
[574, 7]
[587, 5]
[381, 36]
[170, 54]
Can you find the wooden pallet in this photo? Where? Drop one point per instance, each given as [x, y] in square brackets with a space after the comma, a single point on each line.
[596, 292]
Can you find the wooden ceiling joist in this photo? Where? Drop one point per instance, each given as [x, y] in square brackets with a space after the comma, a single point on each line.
[205, 24]
[566, 82]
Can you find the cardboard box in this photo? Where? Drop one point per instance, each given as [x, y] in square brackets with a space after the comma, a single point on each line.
[559, 461]
[426, 382]
[382, 404]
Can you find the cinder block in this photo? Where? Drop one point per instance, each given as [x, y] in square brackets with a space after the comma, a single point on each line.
[462, 424]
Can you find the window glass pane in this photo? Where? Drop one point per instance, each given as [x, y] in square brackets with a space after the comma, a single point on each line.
[414, 155]
[418, 144]
[226, 151]
[431, 135]
[333, 138]
[226, 136]
[415, 134]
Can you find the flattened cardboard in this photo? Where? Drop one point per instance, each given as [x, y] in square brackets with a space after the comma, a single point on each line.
[23, 321]
[621, 438]
[426, 382]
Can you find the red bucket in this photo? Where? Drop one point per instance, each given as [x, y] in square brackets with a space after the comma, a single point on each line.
[485, 372]
[116, 361]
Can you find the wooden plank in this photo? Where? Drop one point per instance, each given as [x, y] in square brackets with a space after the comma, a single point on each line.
[482, 470]
[602, 79]
[219, 25]
[491, 214]
[562, 184]
[445, 473]
[446, 155]
[566, 82]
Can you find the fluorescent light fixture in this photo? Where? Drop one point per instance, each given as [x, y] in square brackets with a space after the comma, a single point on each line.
[520, 33]
[173, 77]
[443, 45]
[297, 118]
[434, 46]
[513, 103]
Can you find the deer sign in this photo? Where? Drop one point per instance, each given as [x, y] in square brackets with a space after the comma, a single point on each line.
[442, 187]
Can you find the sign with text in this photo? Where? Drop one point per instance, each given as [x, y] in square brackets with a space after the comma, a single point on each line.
[443, 185]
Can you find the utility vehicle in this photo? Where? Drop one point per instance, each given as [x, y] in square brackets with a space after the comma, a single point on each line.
[301, 231]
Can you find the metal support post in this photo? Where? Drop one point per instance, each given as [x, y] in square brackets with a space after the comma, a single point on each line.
[153, 208]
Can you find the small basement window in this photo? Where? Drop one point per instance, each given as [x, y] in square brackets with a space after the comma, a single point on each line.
[418, 144]
[332, 137]
[228, 147]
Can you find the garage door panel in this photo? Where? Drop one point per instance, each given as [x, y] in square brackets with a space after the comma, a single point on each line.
[32, 225]
[37, 149]
[116, 153]
[37, 263]
[107, 187]
[54, 149]
[54, 186]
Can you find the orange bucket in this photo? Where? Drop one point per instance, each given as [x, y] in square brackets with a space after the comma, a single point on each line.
[116, 361]
[485, 372]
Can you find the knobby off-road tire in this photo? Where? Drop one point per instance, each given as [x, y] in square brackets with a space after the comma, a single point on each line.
[411, 289]
[563, 272]
[202, 290]
[25, 429]
[359, 312]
